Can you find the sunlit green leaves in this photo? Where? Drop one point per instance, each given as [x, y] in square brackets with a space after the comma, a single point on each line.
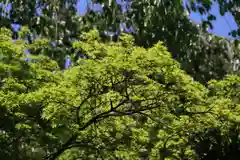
[122, 101]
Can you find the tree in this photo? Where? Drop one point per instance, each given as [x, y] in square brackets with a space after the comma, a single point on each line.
[138, 103]
[23, 131]
[55, 19]
[200, 54]
[120, 102]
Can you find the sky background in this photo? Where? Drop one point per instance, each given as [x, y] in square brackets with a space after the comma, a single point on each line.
[222, 26]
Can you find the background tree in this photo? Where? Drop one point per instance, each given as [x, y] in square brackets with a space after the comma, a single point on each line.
[196, 49]
[201, 54]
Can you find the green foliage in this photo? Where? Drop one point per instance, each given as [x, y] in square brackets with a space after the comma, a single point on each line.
[200, 54]
[126, 99]
[22, 129]
[121, 102]
[152, 20]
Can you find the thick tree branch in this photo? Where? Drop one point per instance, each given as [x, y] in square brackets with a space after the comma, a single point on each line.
[102, 115]
[70, 143]
[79, 107]
[62, 149]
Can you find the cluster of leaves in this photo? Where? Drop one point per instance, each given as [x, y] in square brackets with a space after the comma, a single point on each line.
[23, 130]
[201, 54]
[121, 102]
[151, 20]
[57, 20]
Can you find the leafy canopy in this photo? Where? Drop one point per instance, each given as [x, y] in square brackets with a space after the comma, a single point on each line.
[200, 54]
[119, 102]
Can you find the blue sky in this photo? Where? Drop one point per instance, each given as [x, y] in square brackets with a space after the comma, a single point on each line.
[222, 26]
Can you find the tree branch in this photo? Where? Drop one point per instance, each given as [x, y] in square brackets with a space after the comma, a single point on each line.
[70, 143]
[78, 109]
[62, 149]
[102, 115]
